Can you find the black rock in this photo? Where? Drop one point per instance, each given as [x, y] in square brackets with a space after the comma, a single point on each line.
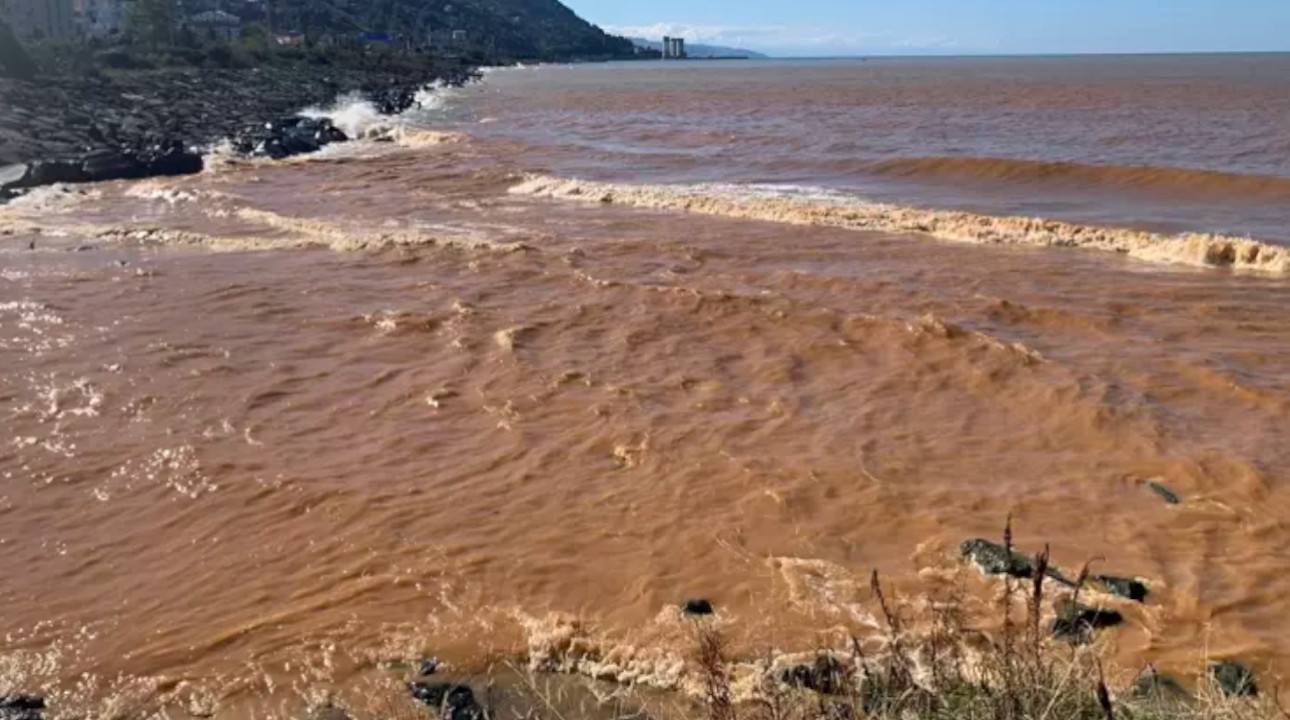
[172, 160]
[1165, 493]
[48, 172]
[1077, 623]
[453, 702]
[697, 606]
[392, 100]
[21, 707]
[106, 165]
[429, 666]
[1134, 590]
[994, 559]
[826, 676]
[1234, 679]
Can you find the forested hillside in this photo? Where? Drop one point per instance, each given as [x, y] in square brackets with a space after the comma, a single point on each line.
[537, 29]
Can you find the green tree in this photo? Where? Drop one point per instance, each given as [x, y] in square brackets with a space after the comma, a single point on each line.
[152, 21]
[14, 60]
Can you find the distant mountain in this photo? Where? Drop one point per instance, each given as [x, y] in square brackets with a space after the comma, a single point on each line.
[520, 29]
[699, 50]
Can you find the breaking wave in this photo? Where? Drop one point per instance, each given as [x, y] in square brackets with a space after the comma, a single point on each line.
[1181, 181]
[810, 206]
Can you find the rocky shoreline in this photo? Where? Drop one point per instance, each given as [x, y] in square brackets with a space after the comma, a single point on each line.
[103, 126]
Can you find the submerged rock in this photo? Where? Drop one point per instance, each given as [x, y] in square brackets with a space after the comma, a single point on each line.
[21, 707]
[994, 559]
[451, 701]
[1128, 588]
[826, 676]
[697, 607]
[1077, 623]
[1165, 493]
[1234, 679]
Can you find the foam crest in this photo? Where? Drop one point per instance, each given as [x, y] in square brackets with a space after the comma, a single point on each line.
[800, 206]
[352, 114]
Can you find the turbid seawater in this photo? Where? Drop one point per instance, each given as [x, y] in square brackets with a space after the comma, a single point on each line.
[582, 342]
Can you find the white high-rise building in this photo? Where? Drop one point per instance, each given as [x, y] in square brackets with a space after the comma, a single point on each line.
[673, 48]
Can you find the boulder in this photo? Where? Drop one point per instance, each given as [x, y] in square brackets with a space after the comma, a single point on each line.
[451, 701]
[994, 559]
[392, 100]
[826, 676]
[104, 165]
[1127, 588]
[696, 607]
[49, 172]
[21, 707]
[290, 136]
[1077, 623]
[1234, 679]
[1166, 494]
[172, 160]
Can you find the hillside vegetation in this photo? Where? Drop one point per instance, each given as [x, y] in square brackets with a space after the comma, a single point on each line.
[517, 29]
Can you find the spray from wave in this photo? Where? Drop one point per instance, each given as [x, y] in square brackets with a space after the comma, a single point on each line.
[809, 206]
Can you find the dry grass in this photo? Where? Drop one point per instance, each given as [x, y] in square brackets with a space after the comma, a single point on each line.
[942, 670]
[1022, 674]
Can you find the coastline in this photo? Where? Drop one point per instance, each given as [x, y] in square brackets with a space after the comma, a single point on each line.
[169, 117]
[807, 669]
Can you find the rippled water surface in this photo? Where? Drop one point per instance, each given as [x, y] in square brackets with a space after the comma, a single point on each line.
[586, 341]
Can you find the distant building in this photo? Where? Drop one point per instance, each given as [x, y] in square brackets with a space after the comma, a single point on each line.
[100, 18]
[673, 48]
[52, 19]
[216, 24]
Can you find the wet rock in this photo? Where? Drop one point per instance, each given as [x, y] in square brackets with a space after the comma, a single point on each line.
[1077, 623]
[49, 172]
[290, 136]
[429, 666]
[1127, 588]
[392, 100]
[1165, 493]
[697, 607]
[825, 676]
[1234, 679]
[21, 707]
[452, 702]
[107, 165]
[994, 559]
[171, 160]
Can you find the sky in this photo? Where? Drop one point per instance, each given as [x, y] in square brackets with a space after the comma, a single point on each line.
[800, 28]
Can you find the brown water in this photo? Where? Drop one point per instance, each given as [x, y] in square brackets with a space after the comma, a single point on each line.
[276, 425]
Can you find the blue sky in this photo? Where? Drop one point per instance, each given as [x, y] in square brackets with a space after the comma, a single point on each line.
[850, 27]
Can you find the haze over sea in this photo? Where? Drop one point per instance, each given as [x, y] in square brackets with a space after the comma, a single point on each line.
[584, 341]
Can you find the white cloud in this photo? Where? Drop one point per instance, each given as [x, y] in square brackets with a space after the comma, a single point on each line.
[783, 38]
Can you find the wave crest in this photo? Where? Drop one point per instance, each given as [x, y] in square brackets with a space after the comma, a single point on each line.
[834, 210]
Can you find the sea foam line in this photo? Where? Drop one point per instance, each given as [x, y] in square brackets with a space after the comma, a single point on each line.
[833, 210]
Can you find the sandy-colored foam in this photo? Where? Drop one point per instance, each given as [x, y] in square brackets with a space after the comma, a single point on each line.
[1195, 249]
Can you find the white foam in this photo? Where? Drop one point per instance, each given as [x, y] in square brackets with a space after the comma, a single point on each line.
[797, 205]
[355, 116]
